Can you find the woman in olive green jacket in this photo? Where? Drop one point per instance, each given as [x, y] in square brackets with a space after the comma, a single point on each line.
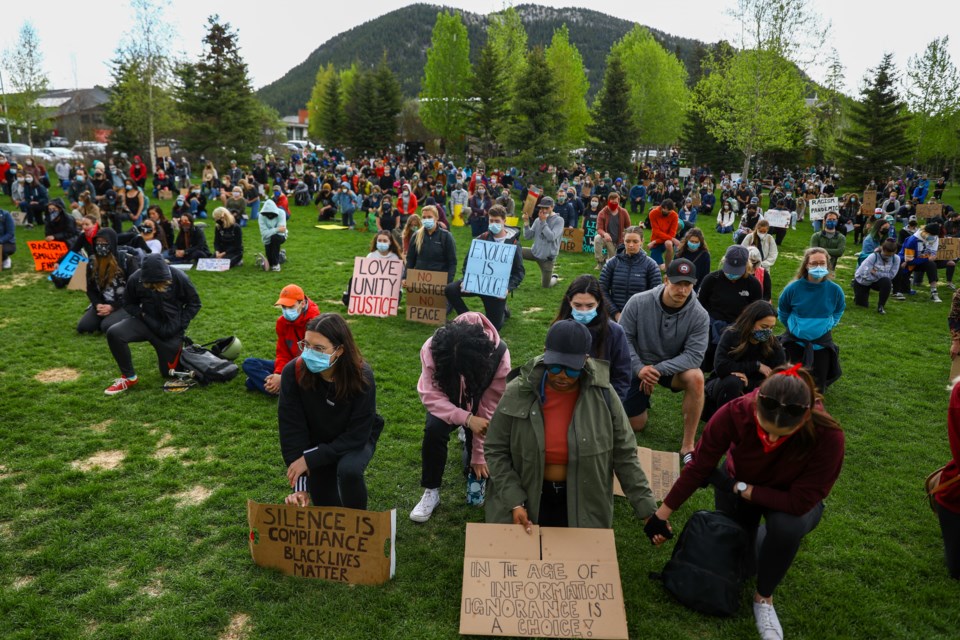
[599, 440]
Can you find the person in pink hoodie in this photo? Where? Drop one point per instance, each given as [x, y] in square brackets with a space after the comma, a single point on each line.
[465, 367]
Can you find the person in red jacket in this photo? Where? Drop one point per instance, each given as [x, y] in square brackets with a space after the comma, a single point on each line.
[783, 456]
[663, 224]
[406, 203]
[138, 172]
[948, 497]
[612, 224]
[296, 309]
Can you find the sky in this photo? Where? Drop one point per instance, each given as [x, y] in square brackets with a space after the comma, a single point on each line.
[78, 41]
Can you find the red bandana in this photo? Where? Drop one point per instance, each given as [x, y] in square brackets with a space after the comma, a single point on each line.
[768, 446]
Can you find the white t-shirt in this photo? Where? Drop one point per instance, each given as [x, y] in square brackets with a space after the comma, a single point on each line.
[154, 246]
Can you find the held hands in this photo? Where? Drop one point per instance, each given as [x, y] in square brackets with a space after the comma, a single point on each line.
[520, 518]
[659, 531]
[296, 469]
[299, 498]
[478, 425]
[104, 310]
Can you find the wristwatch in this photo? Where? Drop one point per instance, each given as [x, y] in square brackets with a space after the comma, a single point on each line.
[739, 488]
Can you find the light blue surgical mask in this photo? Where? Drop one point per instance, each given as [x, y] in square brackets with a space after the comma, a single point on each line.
[584, 317]
[732, 276]
[383, 247]
[315, 361]
[291, 313]
[830, 224]
[762, 335]
[495, 228]
[693, 246]
[818, 272]
[429, 223]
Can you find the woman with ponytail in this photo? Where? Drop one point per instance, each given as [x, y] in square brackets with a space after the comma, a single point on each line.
[783, 455]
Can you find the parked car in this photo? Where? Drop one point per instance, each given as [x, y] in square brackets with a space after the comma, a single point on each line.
[88, 148]
[58, 141]
[52, 154]
[18, 152]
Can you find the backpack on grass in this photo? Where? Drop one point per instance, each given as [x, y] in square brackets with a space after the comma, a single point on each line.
[205, 365]
[706, 572]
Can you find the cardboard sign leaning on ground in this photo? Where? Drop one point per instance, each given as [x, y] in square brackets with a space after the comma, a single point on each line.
[948, 249]
[213, 264]
[662, 469]
[929, 210]
[340, 545]
[552, 583]
[533, 194]
[46, 253]
[426, 302]
[777, 218]
[572, 240]
[869, 202]
[821, 206]
[375, 288]
[487, 272]
[78, 281]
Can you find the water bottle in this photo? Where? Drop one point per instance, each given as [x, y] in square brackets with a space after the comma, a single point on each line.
[476, 489]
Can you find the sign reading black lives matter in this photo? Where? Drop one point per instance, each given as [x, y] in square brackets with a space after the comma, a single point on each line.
[340, 545]
[551, 583]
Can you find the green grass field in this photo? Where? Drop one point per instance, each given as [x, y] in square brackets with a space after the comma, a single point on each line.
[156, 547]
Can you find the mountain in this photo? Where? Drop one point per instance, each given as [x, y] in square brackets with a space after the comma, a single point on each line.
[404, 35]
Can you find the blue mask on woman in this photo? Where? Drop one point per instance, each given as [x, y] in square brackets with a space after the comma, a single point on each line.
[762, 335]
[428, 223]
[383, 246]
[693, 246]
[583, 317]
[291, 313]
[316, 362]
[818, 272]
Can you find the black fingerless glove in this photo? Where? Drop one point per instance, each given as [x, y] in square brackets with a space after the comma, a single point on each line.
[656, 526]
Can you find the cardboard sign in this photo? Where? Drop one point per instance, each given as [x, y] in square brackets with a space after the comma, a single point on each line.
[533, 194]
[948, 249]
[340, 545]
[426, 302]
[551, 583]
[165, 194]
[487, 272]
[778, 218]
[869, 202]
[457, 215]
[929, 210]
[19, 218]
[662, 469]
[589, 232]
[572, 240]
[163, 152]
[68, 266]
[695, 200]
[78, 281]
[46, 253]
[375, 288]
[684, 172]
[735, 177]
[821, 206]
[213, 264]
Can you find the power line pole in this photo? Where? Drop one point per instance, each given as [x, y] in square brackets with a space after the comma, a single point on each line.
[6, 112]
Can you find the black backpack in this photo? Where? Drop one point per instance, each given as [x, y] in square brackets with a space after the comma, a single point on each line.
[206, 366]
[707, 570]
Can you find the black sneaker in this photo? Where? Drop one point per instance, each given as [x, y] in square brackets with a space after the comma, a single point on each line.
[881, 311]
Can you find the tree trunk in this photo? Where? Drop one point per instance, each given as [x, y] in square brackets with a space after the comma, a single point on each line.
[746, 164]
[153, 142]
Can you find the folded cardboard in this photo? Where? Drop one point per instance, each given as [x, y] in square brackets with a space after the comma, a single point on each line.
[662, 469]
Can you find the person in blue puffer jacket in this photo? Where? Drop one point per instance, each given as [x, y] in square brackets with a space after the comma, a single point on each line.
[630, 271]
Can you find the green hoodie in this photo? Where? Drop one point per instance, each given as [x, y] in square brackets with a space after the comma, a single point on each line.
[600, 442]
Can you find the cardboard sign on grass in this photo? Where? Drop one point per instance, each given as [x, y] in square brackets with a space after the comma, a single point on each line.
[821, 206]
[487, 272]
[78, 281]
[551, 583]
[340, 545]
[948, 249]
[778, 218]
[572, 240]
[46, 253]
[426, 302]
[662, 469]
[375, 288]
[213, 264]
[929, 210]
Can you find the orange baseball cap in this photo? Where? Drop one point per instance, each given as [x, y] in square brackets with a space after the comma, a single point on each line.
[290, 295]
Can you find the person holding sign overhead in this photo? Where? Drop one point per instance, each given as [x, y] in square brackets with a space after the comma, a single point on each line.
[556, 439]
[328, 417]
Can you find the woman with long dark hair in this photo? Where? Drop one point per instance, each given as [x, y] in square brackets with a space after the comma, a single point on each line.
[783, 455]
[107, 275]
[583, 302]
[328, 417]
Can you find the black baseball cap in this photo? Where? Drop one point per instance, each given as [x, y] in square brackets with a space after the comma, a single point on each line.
[568, 343]
[681, 270]
[735, 260]
[545, 202]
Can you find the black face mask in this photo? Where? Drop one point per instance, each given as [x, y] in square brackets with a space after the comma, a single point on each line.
[220, 223]
[269, 214]
[103, 250]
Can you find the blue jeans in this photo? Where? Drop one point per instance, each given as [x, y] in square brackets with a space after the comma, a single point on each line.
[254, 210]
[816, 225]
[257, 370]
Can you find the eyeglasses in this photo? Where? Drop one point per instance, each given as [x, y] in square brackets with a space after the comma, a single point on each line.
[772, 404]
[556, 369]
[304, 345]
[813, 265]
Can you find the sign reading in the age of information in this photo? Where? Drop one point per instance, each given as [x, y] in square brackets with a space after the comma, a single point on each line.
[426, 302]
[551, 583]
[375, 288]
[487, 272]
[329, 543]
[822, 206]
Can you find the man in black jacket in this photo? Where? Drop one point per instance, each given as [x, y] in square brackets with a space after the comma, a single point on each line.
[161, 302]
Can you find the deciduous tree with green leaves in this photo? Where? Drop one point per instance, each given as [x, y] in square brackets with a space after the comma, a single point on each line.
[613, 133]
[316, 104]
[28, 81]
[570, 80]
[447, 77]
[933, 95]
[508, 37]
[828, 111]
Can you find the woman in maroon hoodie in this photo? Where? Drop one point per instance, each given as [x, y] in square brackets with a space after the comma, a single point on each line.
[948, 498]
[783, 455]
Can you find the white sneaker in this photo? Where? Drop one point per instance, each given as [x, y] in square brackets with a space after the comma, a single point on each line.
[424, 508]
[7, 263]
[934, 297]
[767, 622]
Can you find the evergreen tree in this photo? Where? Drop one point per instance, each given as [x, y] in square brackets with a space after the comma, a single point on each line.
[876, 140]
[130, 93]
[315, 106]
[536, 122]
[508, 38]
[446, 78]
[613, 134]
[703, 148]
[216, 99]
[570, 79]
[331, 119]
[360, 114]
[388, 102]
[489, 108]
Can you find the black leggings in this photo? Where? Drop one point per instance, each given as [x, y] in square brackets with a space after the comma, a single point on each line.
[90, 322]
[775, 543]
[492, 307]
[272, 249]
[342, 484]
[950, 529]
[553, 505]
[120, 335]
[821, 362]
[436, 436]
[861, 292]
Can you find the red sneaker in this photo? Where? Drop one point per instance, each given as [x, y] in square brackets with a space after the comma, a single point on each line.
[120, 385]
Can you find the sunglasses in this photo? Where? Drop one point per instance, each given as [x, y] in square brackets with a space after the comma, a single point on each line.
[772, 404]
[556, 369]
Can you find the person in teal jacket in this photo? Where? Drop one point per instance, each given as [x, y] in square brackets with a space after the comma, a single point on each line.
[273, 232]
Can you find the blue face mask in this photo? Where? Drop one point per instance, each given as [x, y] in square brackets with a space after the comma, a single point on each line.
[290, 313]
[762, 335]
[383, 246]
[316, 362]
[583, 317]
[693, 246]
[830, 224]
[428, 223]
[495, 228]
[818, 272]
[731, 276]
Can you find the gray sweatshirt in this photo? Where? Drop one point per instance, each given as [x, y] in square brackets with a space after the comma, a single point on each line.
[546, 236]
[671, 343]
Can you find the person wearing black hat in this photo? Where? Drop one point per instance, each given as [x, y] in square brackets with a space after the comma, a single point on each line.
[556, 439]
[191, 242]
[547, 233]
[667, 332]
[725, 293]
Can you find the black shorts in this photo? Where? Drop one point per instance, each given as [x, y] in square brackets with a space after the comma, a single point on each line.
[637, 401]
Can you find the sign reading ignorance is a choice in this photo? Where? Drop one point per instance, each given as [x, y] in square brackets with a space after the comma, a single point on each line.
[375, 289]
[488, 268]
[336, 544]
